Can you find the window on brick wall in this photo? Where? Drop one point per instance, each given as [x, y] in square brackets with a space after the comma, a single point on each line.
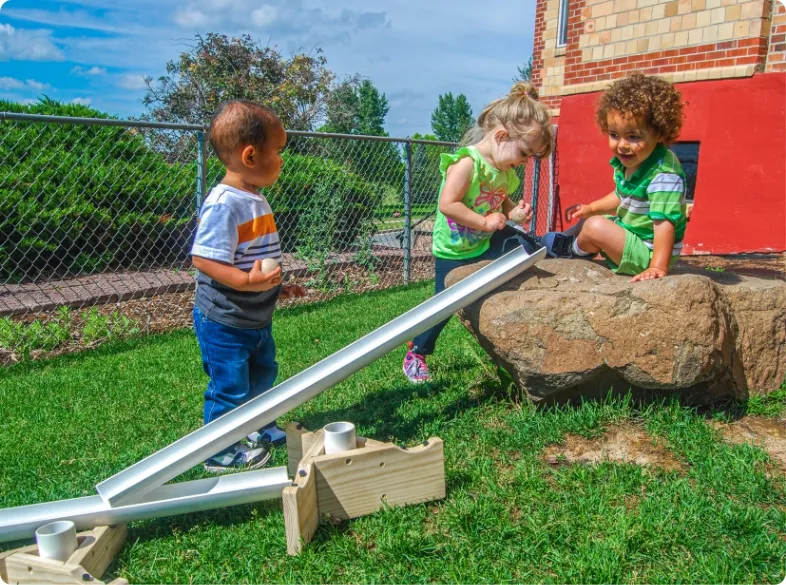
[562, 24]
[688, 153]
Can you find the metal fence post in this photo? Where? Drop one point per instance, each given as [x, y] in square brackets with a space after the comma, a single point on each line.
[201, 170]
[552, 161]
[407, 212]
[535, 190]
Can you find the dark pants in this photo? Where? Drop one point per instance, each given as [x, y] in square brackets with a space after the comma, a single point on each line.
[502, 241]
[241, 364]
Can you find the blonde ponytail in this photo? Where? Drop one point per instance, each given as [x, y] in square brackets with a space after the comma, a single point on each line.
[516, 112]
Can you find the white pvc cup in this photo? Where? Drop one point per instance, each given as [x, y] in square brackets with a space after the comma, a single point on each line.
[339, 436]
[56, 540]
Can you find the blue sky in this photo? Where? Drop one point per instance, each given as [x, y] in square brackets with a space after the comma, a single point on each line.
[97, 51]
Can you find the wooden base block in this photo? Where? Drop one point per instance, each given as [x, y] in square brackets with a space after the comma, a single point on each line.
[364, 481]
[97, 549]
[355, 483]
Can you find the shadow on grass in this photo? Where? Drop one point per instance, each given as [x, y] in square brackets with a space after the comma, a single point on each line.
[378, 407]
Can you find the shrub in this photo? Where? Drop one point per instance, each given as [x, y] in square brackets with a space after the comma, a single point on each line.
[78, 199]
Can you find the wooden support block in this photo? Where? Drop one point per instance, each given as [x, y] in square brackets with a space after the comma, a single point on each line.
[96, 551]
[30, 549]
[301, 515]
[363, 481]
[95, 557]
[297, 434]
[299, 439]
[25, 568]
[354, 483]
[370, 443]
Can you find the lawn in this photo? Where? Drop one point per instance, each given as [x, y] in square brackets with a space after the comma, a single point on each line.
[517, 508]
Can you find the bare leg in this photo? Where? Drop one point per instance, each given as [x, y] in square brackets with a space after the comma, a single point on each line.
[598, 233]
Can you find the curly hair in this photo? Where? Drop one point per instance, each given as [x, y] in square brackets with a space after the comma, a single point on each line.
[651, 99]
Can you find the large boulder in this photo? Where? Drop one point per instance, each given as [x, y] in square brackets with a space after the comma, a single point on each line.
[569, 328]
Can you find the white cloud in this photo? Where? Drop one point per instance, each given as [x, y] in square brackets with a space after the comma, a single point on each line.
[263, 16]
[82, 101]
[191, 18]
[131, 81]
[11, 83]
[36, 85]
[199, 14]
[93, 71]
[294, 21]
[27, 45]
[413, 50]
[107, 21]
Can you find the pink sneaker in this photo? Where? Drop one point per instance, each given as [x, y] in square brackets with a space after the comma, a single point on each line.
[415, 368]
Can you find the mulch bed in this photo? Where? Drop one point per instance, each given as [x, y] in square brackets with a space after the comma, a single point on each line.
[167, 306]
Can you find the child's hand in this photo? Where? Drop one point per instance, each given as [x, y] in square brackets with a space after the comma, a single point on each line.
[651, 273]
[495, 221]
[289, 291]
[522, 213]
[258, 281]
[578, 211]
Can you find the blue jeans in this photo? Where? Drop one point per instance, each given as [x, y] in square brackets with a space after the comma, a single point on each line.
[241, 363]
[502, 241]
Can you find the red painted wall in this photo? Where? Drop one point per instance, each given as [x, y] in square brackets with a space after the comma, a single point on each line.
[740, 198]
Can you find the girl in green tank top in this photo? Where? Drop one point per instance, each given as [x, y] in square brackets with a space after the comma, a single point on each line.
[488, 190]
[474, 203]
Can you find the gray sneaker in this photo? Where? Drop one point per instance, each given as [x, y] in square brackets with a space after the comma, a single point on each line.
[241, 458]
[271, 435]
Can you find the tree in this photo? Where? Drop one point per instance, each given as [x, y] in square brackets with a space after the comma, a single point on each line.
[218, 68]
[372, 110]
[452, 117]
[356, 107]
[426, 176]
[525, 72]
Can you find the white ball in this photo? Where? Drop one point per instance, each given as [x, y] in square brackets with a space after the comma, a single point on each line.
[518, 214]
[269, 265]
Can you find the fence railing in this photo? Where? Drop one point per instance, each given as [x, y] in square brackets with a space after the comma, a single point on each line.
[97, 217]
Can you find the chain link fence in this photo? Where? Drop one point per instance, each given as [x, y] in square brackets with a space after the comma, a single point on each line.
[97, 217]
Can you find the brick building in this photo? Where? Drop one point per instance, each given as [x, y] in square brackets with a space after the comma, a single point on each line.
[727, 58]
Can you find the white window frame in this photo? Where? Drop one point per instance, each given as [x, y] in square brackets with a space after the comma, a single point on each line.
[562, 23]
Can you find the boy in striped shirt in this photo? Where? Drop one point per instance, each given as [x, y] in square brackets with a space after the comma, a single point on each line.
[641, 115]
[235, 299]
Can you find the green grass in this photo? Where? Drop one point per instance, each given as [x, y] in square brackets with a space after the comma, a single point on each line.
[73, 421]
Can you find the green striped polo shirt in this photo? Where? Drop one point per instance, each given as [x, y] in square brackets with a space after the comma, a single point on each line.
[656, 190]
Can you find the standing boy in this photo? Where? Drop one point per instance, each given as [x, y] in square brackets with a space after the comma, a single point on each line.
[235, 300]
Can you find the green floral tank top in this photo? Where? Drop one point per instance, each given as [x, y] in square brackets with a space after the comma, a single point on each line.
[488, 189]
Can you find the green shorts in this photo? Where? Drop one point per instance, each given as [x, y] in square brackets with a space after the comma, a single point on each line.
[636, 256]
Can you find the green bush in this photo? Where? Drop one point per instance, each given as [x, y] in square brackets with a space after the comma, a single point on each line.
[314, 193]
[78, 199]
[26, 337]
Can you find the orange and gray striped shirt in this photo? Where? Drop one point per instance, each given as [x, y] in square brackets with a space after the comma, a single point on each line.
[236, 228]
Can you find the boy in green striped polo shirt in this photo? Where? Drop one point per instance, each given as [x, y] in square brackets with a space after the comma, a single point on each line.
[640, 115]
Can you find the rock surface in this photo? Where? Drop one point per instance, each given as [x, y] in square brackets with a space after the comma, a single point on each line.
[569, 328]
